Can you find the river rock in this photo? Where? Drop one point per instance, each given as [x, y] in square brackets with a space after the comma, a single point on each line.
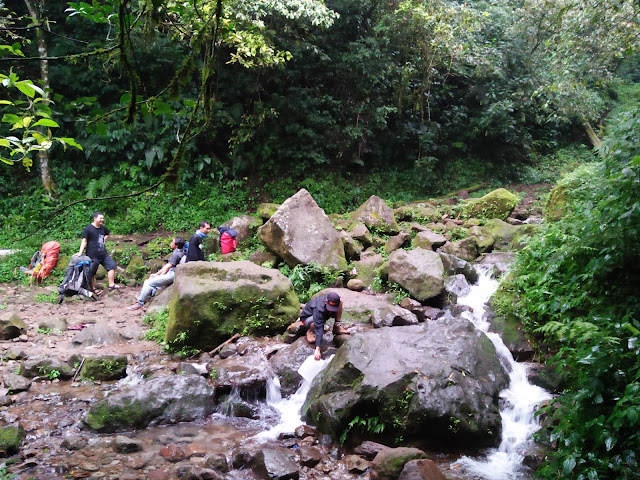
[388, 463]
[454, 265]
[369, 449]
[213, 300]
[501, 231]
[466, 249]
[309, 456]
[16, 383]
[456, 286]
[418, 271]
[105, 367]
[396, 242]
[122, 444]
[46, 366]
[375, 213]
[245, 225]
[15, 353]
[356, 464]
[58, 324]
[352, 248]
[275, 464]
[424, 469]
[247, 375]
[11, 325]
[194, 472]
[429, 240]
[367, 268]
[496, 204]
[355, 284]
[393, 316]
[163, 400]
[421, 379]
[499, 262]
[301, 233]
[96, 335]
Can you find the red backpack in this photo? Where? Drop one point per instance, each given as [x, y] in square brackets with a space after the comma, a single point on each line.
[48, 258]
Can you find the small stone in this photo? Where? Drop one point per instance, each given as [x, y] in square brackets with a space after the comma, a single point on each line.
[89, 467]
[172, 453]
[356, 464]
[123, 444]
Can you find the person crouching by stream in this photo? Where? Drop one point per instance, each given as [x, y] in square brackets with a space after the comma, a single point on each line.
[162, 278]
[316, 313]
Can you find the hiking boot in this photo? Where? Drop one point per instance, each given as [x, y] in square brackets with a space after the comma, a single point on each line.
[311, 337]
[135, 306]
[338, 329]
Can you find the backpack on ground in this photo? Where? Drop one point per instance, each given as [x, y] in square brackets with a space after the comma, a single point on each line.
[76, 279]
[42, 262]
[228, 239]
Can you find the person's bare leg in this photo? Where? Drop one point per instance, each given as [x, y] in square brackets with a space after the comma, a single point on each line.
[111, 275]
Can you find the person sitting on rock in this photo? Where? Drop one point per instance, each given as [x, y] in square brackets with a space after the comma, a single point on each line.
[164, 276]
[316, 313]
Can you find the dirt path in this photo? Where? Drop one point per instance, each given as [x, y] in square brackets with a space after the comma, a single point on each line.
[48, 323]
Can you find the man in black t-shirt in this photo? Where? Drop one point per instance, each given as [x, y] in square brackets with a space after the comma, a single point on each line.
[94, 238]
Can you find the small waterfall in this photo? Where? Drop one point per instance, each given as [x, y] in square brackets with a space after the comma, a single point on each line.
[289, 408]
[518, 402]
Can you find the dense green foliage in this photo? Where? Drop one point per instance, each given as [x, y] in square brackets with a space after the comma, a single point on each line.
[578, 289]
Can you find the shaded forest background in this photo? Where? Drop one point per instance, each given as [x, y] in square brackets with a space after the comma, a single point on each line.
[210, 107]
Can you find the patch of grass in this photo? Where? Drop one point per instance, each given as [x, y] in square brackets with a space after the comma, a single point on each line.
[46, 297]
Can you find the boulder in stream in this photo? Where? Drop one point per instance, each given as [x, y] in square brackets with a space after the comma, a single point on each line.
[440, 380]
[163, 400]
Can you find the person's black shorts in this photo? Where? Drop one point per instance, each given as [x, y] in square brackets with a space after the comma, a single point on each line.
[107, 262]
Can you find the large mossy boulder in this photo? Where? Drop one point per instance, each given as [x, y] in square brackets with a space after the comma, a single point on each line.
[375, 214]
[439, 381]
[157, 401]
[497, 204]
[300, 232]
[213, 300]
[419, 271]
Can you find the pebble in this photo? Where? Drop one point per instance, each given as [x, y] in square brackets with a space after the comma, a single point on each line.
[90, 467]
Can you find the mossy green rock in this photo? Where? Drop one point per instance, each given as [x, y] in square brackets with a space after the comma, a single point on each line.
[107, 367]
[213, 300]
[502, 232]
[63, 261]
[156, 401]
[389, 462]
[11, 438]
[266, 210]
[137, 268]
[496, 204]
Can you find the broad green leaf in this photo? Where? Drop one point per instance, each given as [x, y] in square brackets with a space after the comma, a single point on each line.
[45, 122]
[71, 142]
[26, 88]
[10, 118]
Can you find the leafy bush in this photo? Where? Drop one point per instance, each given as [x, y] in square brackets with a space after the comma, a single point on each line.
[578, 287]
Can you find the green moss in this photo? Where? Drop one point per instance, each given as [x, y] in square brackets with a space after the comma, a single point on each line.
[104, 368]
[11, 439]
[104, 418]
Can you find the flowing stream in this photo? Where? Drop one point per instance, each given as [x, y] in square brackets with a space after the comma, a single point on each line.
[289, 408]
[518, 402]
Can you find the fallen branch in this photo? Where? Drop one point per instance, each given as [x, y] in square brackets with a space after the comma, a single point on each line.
[219, 347]
[78, 370]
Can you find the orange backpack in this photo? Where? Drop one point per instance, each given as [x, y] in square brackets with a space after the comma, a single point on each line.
[47, 261]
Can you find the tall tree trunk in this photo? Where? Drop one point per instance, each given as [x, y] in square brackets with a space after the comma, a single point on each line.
[37, 12]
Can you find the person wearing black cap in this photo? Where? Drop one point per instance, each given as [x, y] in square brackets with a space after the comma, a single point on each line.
[316, 313]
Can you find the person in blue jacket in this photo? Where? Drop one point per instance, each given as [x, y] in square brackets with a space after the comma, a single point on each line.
[316, 313]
